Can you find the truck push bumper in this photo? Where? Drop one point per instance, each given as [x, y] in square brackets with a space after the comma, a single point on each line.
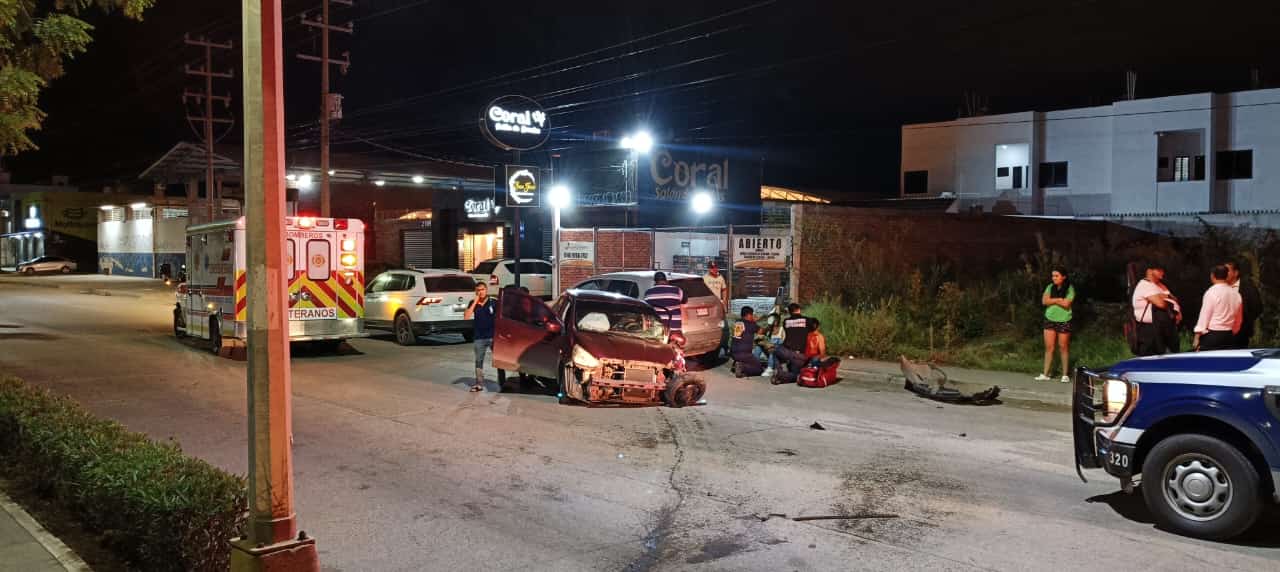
[1085, 402]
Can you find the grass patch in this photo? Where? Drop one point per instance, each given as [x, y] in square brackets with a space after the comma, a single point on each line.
[155, 507]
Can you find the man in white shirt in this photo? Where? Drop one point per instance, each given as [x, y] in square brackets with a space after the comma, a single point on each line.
[715, 282]
[1221, 314]
[1157, 312]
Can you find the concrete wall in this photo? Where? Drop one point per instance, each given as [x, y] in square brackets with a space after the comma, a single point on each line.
[1082, 138]
[1253, 122]
[127, 247]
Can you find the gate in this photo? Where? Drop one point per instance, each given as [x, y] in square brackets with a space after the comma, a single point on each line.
[416, 247]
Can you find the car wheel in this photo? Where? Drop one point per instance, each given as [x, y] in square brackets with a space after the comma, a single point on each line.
[404, 330]
[1201, 486]
[684, 391]
[469, 335]
[29, 271]
[66, 270]
[562, 384]
[215, 336]
[179, 327]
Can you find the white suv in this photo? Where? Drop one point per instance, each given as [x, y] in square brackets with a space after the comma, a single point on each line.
[498, 273]
[414, 303]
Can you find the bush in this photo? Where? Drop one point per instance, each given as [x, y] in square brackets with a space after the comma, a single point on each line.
[154, 506]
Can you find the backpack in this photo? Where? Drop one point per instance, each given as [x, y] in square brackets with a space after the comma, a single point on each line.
[820, 376]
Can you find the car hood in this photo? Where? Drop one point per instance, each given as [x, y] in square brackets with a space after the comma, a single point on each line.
[1198, 362]
[619, 346]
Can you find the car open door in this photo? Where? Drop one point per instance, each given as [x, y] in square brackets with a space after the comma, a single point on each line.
[527, 336]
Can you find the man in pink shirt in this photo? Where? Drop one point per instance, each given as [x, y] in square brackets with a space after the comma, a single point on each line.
[1221, 314]
[1157, 312]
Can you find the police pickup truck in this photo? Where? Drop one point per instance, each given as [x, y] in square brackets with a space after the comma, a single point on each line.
[1200, 432]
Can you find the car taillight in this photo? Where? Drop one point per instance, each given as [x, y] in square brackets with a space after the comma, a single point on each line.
[340, 223]
[348, 259]
[348, 245]
[429, 301]
[493, 279]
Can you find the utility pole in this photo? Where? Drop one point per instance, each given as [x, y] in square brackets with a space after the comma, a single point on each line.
[207, 98]
[327, 110]
[273, 541]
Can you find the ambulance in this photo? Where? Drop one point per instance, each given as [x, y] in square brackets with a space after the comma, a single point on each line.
[324, 261]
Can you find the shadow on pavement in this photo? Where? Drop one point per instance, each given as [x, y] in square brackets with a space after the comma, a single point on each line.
[429, 341]
[308, 350]
[1264, 534]
[1130, 506]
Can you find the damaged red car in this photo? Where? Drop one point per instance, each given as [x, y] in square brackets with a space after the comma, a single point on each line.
[595, 347]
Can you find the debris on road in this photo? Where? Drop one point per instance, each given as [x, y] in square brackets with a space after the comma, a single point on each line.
[921, 378]
[817, 426]
[860, 516]
[964, 434]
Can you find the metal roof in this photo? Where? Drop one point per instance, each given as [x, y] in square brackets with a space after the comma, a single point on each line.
[186, 160]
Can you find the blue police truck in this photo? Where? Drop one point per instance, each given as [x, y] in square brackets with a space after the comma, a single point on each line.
[1198, 433]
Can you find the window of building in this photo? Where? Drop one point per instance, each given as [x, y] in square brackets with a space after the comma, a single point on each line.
[1235, 164]
[113, 214]
[1002, 171]
[1053, 174]
[172, 212]
[1182, 168]
[1162, 162]
[142, 214]
[915, 182]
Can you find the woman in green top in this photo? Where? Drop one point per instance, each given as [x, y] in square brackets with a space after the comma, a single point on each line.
[1057, 299]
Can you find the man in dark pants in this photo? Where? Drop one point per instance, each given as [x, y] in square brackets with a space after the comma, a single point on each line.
[790, 353]
[1251, 300]
[1220, 313]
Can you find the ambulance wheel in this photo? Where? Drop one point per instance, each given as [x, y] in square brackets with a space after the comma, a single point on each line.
[179, 328]
[404, 330]
[1201, 486]
[683, 391]
[215, 336]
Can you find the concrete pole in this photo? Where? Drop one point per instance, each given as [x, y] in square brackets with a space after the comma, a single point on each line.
[273, 541]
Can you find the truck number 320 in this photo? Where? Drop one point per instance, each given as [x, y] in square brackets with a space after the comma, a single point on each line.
[1119, 460]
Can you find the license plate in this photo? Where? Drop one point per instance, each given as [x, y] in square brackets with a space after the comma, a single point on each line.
[313, 314]
[703, 312]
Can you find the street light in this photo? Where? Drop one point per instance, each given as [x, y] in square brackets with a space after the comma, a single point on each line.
[560, 197]
[418, 179]
[702, 202]
[641, 142]
[304, 181]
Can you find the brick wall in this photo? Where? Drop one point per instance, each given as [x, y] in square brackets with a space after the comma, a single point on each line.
[831, 238]
[616, 250]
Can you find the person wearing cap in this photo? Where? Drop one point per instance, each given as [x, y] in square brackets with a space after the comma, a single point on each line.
[716, 284]
[666, 299]
[1158, 314]
[790, 352]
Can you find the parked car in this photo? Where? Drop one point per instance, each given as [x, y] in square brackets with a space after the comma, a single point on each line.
[1199, 431]
[702, 315]
[599, 347]
[48, 264]
[413, 303]
[499, 273]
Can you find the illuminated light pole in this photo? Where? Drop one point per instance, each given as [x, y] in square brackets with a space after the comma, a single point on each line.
[560, 197]
[272, 540]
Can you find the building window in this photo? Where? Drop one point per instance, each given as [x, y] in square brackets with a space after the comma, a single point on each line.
[915, 182]
[112, 214]
[1002, 171]
[1053, 174]
[141, 214]
[1182, 168]
[1162, 162]
[171, 212]
[1235, 165]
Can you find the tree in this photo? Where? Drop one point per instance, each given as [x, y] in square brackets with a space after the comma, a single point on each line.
[36, 38]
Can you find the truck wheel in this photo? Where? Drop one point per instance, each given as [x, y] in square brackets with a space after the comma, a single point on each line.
[684, 391]
[404, 330]
[179, 328]
[1201, 486]
[215, 336]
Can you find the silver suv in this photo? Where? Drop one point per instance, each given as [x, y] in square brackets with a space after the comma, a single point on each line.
[498, 273]
[414, 303]
[702, 315]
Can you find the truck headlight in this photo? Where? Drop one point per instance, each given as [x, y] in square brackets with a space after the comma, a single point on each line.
[583, 358]
[1119, 394]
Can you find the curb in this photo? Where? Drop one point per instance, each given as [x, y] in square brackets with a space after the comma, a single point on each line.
[105, 292]
[33, 284]
[1062, 400]
[60, 552]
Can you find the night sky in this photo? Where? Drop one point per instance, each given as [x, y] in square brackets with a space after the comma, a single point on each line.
[818, 89]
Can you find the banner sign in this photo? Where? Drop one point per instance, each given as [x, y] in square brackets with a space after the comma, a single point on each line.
[515, 123]
[666, 178]
[523, 186]
[577, 253]
[761, 251]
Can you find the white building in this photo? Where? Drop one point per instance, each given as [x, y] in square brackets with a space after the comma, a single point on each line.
[1202, 153]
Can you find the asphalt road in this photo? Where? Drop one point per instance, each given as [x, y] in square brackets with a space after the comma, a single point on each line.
[399, 468]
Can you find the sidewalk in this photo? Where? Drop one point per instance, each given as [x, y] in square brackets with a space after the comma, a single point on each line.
[26, 546]
[1015, 386]
[97, 284]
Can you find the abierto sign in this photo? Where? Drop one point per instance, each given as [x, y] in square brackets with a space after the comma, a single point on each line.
[515, 123]
[761, 251]
[577, 253]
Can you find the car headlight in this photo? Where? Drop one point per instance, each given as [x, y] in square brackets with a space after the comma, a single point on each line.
[583, 358]
[1118, 395]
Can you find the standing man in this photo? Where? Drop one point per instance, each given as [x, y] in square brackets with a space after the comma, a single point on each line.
[666, 299]
[715, 283]
[1220, 314]
[1157, 312]
[1250, 298]
[790, 352]
[482, 311]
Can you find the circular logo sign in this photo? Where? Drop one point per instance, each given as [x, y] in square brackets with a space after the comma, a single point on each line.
[515, 123]
[317, 260]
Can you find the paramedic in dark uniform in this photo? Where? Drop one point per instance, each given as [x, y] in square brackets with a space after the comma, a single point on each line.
[790, 352]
